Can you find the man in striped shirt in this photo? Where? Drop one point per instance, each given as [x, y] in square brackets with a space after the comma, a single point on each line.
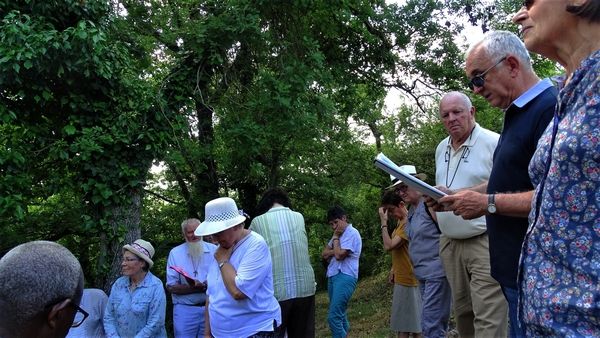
[293, 277]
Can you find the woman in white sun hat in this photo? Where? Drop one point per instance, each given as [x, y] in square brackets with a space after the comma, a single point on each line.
[137, 303]
[240, 299]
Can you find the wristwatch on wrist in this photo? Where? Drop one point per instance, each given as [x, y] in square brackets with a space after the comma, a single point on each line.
[221, 264]
[491, 208]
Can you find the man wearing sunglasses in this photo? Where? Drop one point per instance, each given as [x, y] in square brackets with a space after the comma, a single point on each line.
[500, 70]
[41, 284]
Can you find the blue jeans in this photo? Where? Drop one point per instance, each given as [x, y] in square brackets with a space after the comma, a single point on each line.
[512, 297]
[437, 300]
[340, 288]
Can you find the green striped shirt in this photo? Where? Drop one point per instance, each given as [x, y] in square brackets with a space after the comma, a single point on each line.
[285, 233]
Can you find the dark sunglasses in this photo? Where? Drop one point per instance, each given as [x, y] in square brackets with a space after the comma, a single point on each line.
[479, 80]
[528, 3]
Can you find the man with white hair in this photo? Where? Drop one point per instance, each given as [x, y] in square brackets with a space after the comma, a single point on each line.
[462, 160]
[189, 293]
[41, 284]
[505, 199]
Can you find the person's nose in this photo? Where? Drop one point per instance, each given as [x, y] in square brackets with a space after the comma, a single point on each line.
[521, 15]
[477, 89]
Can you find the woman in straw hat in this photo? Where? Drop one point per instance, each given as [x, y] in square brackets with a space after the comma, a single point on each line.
[240, 300]
[558, 275]
[137, 303]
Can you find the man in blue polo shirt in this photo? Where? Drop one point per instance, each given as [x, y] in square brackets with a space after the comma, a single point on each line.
[499, 69]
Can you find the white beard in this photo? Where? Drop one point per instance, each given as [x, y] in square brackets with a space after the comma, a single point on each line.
[195, 249]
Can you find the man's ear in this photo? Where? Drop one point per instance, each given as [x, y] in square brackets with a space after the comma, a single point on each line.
[56, 313]
[515, 65]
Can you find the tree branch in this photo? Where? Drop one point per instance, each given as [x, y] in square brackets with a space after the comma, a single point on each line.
[166, 199]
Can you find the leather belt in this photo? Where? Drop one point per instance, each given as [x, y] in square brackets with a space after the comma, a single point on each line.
[199, 304]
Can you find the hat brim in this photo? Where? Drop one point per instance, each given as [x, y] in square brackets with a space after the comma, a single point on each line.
[209, 228]
[420, 176]
[139, 254]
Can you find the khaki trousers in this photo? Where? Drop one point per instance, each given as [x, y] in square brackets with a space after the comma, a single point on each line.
[480, 309]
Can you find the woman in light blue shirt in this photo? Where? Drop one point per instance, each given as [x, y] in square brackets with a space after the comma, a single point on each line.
[137, 303]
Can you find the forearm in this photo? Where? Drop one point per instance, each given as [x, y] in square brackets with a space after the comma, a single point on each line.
[385, 236]
[481, 188]
[515, 205]
[228, 273]
[207, 332]
[338, 252]
[327, 252]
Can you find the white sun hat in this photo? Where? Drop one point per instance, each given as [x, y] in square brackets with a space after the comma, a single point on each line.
[219, 214]
[409, 169]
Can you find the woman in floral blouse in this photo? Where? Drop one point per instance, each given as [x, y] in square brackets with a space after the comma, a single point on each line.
[560, 260]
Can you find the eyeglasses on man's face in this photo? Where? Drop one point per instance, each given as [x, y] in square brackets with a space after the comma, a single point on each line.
[129, 259]
[479, 80]
[80, 314]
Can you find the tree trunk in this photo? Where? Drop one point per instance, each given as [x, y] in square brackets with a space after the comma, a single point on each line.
[121, 218]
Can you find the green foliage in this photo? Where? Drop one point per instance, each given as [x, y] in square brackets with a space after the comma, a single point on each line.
[71, 90]
[231, 98]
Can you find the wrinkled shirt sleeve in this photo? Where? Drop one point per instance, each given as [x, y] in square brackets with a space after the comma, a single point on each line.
[253, 269]
[110, 327]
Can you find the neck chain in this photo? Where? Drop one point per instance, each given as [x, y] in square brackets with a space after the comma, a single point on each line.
[464, 155]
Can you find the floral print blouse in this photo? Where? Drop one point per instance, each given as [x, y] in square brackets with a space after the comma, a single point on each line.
[560, 259]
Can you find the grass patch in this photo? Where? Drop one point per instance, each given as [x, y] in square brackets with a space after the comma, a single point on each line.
[368, 311]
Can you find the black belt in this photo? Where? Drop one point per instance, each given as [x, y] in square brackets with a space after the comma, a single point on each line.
[199, 304]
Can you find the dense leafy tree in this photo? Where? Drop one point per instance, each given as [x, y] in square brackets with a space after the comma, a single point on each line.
[230, 98]
[79, 130]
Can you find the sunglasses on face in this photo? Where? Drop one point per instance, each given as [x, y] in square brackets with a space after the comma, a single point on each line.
[528, 3]
[479, 80]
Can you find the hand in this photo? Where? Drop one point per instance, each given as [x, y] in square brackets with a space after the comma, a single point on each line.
[202, 286]
[391, 277]
[222, 254]
[383, 215]
[466, 203]
[437, 205]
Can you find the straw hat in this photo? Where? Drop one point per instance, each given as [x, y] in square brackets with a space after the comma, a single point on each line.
[409, 169]
[219, 214]
[142, 249]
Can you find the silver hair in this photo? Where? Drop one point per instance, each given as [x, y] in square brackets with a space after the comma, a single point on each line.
[462, 96]
[34, 275]
[187, 221]
[498, 44]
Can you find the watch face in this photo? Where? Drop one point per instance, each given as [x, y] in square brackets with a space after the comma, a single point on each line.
[491, 208]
